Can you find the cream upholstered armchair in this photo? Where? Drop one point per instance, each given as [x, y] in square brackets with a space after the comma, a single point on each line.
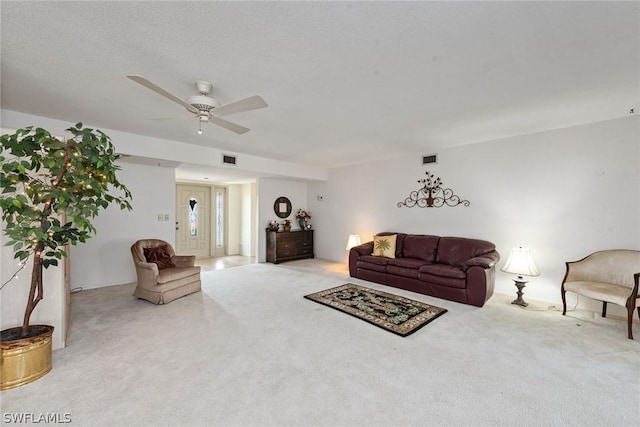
[608, 276]
[162, 275]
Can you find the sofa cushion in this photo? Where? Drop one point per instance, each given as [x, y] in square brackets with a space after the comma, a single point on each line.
[402, 271]
[369, 262]
[443, 274]
[420, 246]
[610, 292]
[405, 267]
[384, 246]
[177, 273]
[408, 262]
[444, 270]
[457, 250]
[159, 255]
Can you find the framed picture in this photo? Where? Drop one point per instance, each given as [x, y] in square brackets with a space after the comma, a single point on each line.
[282, 207]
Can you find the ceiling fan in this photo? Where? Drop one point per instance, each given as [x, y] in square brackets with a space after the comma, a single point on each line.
[205, 108]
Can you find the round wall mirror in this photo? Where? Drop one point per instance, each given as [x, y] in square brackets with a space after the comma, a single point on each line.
[282, 207]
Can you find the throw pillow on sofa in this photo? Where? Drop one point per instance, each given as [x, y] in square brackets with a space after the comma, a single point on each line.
[384, 246]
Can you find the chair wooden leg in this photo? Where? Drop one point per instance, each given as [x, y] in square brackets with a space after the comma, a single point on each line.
[630, 319]
[604, 309]
[564, 303]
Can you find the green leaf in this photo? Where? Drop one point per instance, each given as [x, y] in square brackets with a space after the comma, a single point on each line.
[46, 263]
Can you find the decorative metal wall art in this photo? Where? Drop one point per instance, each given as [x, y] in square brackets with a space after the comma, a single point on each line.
[432, 195]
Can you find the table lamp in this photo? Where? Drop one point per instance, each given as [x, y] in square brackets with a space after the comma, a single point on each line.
[354, 240]
[520, 262]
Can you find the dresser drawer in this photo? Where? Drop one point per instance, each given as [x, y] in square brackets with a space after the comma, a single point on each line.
[305, 251]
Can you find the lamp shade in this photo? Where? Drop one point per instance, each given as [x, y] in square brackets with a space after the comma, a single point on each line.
[520, 262]
[354, 240]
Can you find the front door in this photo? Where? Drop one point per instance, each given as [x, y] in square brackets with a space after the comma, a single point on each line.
[193, 226]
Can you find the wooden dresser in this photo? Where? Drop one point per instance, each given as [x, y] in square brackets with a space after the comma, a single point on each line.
[290, 245]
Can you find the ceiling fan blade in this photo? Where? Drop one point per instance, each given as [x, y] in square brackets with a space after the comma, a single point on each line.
[171, 118]
[228, 125]
[157, 89]
[247, 104]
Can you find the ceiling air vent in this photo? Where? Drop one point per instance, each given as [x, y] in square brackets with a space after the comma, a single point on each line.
[229, 160]
[433, 158]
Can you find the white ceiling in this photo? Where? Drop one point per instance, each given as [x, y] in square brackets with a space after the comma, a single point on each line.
[345, 81]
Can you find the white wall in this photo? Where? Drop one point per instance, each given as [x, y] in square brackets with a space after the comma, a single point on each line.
[234, 219]
[105, 259]
[563, 193]
[269, 190]
[248, 227]
[13, 297]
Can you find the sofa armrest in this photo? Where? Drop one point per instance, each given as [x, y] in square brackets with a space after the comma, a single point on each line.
[364, 249]
[147, 266]
[480, 284]
[355, 253]
[147, 273]
[184, 260]
[484, 261]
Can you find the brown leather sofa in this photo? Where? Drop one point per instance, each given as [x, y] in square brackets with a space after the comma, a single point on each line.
[453, 268]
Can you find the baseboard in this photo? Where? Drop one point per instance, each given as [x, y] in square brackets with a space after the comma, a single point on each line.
[584, 305]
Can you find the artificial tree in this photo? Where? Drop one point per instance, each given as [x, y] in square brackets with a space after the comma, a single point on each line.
[51, 189]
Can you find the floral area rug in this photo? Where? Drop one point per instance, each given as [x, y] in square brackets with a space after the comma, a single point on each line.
[402, 316]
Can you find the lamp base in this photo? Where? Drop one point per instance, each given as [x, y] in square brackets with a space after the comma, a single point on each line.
[520, 285]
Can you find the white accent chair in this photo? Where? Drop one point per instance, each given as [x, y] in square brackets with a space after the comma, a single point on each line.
[608, 276]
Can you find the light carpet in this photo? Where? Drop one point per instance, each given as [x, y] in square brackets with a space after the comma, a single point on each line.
[251, 351]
